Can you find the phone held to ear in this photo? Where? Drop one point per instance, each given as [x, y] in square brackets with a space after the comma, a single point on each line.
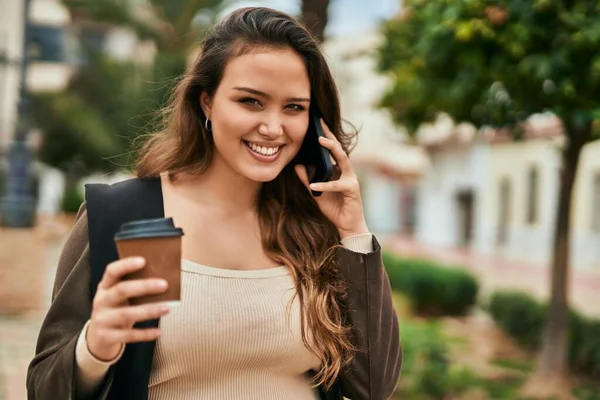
[312, 154]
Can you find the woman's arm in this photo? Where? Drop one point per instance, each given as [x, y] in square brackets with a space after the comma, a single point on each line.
[374, 372]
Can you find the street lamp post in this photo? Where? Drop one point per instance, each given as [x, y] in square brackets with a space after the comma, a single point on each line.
[19, 201]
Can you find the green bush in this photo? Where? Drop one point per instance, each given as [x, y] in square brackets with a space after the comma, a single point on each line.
[519, 315]
[427, 371]
[432, 289]
[523, 318]
[585, 349]
[71, 200]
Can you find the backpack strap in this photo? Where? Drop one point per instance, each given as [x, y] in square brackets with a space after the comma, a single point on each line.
[108, 207]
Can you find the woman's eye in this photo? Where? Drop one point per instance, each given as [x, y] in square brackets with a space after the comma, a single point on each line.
[250, 101]
[297, 107]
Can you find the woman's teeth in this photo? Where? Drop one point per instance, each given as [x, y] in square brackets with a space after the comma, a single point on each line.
[265, 151]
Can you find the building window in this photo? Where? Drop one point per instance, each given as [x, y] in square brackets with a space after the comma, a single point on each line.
[47, 43]
[595, 209]
[504, 211]
[533, 190]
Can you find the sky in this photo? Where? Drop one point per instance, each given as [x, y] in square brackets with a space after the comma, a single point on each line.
[346, 17]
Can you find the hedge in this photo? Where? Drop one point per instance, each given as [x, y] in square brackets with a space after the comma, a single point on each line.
[523, 318]
[71, 200]
[432, 289]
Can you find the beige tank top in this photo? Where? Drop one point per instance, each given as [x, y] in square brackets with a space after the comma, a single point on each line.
[236, 335]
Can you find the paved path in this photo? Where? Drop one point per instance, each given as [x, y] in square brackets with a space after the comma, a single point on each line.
[499, 273]
[28, 260]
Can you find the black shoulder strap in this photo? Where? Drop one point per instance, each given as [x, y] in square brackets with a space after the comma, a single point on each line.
[108, 207]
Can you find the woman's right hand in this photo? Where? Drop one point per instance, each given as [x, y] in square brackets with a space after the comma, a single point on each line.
[111, 325]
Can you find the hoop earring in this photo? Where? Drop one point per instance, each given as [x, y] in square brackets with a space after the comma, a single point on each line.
[206, 121]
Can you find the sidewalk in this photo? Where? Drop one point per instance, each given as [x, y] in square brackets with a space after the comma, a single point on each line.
[28, 259]
[497, 273]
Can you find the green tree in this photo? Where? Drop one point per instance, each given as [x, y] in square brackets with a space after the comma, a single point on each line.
[495, 63]
[88, 127]
[175, 26]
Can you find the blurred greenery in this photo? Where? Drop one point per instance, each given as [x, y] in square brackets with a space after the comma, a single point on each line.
[430, 372]
[109, 102]
[427, 371]
[522, 317]
[432, 289]
[173, 25]
[495, 63]
[71, 200]
[90, 122]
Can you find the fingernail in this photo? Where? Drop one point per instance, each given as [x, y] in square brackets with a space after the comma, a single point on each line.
[162, 284]
[314, 185]
[139, 261]
[324, 139]
[164, 308]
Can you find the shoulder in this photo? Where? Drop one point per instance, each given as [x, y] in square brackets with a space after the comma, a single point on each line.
[75, 250]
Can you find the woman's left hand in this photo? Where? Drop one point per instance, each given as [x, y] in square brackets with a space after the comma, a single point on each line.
[340, 201]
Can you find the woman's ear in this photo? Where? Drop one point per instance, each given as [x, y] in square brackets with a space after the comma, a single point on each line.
[206, 104]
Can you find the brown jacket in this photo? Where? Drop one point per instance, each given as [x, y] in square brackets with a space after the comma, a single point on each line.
[373, 373]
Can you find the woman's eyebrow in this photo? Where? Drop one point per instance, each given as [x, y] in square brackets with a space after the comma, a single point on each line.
[267, 96]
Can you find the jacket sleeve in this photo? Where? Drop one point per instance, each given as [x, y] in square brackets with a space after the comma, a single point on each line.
[52, 372]
[375, 369]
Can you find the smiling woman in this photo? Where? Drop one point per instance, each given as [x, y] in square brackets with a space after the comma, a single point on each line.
[283, 295]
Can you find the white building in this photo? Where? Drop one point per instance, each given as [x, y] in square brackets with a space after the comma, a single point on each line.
[450, 191]
[496, 196]
[386, 165]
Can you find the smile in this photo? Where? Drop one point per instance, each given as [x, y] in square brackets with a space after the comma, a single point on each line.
[263, 150]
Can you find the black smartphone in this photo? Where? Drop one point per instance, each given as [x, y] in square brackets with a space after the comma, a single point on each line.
[312, 154]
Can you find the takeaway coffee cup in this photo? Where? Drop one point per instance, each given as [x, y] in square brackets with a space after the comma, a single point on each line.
[159, 242]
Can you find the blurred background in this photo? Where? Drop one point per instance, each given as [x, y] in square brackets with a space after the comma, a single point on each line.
[477, 156]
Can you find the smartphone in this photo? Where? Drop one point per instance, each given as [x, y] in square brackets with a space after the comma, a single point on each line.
[312, 154]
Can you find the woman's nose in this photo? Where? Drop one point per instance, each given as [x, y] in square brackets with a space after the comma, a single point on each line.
[271, 127]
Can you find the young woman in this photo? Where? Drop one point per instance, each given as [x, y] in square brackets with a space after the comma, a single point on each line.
[284, 295]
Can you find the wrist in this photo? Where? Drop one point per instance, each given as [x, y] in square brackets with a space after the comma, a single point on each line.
[101, 352]
[362, 229]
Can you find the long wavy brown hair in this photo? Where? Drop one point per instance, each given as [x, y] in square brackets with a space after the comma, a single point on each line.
[294, 231]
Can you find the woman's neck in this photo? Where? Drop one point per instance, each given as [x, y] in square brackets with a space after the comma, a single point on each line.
[222, 188]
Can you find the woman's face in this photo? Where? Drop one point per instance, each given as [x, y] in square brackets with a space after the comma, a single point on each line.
[259, 112]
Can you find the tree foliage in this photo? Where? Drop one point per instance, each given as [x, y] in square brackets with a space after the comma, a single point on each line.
[493, 62]
[92, 122]
[110, 102]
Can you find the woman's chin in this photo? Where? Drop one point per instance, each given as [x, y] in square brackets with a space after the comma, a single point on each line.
[263, 178]
[262, 175]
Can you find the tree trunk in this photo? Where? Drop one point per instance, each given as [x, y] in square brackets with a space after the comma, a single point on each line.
[314, 15]
[550, 376]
